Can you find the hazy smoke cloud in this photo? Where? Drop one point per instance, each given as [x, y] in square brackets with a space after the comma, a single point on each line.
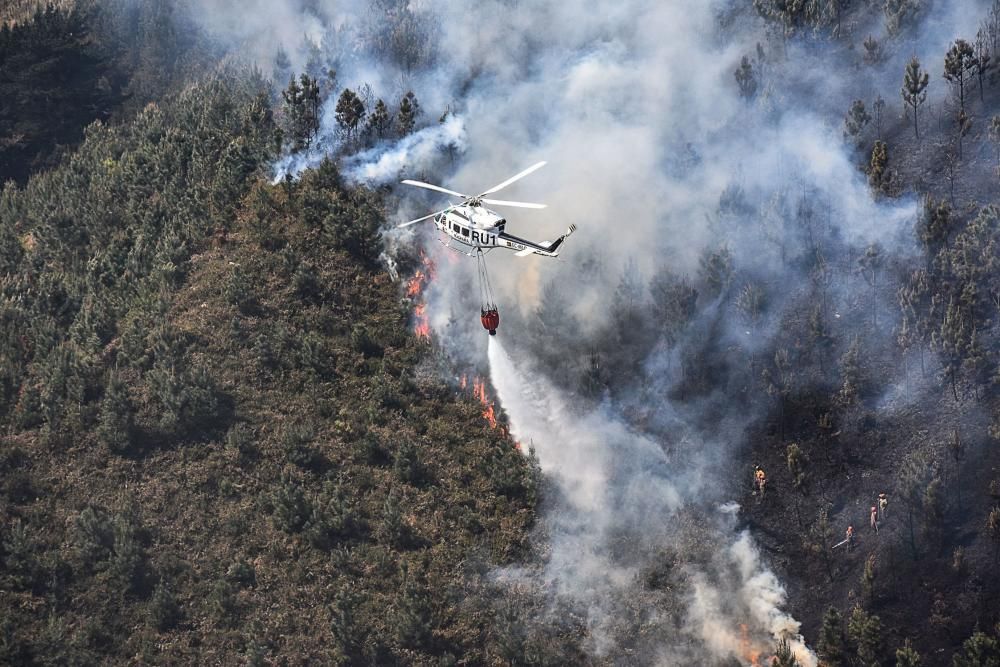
[615, 483]
[636, 109]
[389, 163]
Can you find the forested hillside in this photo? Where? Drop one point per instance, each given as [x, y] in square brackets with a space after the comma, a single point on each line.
[223, 442]
[219, 445]
[65, 66]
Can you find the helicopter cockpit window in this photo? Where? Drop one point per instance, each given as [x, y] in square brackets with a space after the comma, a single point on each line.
[465, 231]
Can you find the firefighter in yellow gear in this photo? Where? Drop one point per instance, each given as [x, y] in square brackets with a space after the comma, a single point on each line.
[760, 480]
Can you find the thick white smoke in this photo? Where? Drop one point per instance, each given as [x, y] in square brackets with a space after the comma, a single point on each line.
[385, 164]
[634, 105]
[609, 477]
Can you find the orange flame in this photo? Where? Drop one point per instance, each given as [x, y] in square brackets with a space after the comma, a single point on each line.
[747, 651]
[422, 326]
[414, 290]
[416, 284]
[489, 411]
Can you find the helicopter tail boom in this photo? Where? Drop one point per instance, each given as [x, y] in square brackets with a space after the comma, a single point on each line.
[525, 247]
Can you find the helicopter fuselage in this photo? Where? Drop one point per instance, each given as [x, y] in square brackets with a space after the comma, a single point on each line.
[479, 228]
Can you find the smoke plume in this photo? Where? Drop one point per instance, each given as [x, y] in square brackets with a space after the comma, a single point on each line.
[661, 162]
[615, 483]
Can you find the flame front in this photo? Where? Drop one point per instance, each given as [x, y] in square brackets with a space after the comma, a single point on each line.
[748, 651]
[414, 290]
[479, 391]
[421, 326]
[415, 286]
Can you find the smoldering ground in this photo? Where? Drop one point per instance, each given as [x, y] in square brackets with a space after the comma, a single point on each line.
[636, 406]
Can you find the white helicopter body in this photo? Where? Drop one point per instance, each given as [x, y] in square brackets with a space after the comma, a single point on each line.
[480, 229]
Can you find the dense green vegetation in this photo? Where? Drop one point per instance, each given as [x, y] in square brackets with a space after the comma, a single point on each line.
[64, 68]
[223, 445]
[218, 446]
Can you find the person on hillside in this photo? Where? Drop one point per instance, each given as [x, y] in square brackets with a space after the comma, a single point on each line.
[874, 519]
[883, 501]
[849, 537]
[760, 480]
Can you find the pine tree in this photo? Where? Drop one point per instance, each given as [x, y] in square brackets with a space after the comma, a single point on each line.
[350, 111]
[983, 59]
[868, 580]
[164, 612]
[778, 383]
[879, 176]
[413, 622]
[18, 556]
[914, 90]
[115, 423]
[674, 301]
[291, 507]
[343, 626]
[783, 656]
[866, 632]
[906, 656]
[878, 108]
[935, 225]
[820, 338]
[901, 13]
[851, 373]
[832, 647]
[93, 535]
[993, 530]
[332, 517]
[222, 603]
[295, 113]
[995, 138]
[716, 270]
[869, 264]
[379, 121]
[915, 474]
[979, 650]
[959, 64]
[855, 122]
[796, 461]
[128, 555]
[951, 342]
[791, 15]
[407, 466]
[391, 531]
[962, 125]
[933, 511]
[282, 65]
[409, 109]
[746, 79]
[873, 50]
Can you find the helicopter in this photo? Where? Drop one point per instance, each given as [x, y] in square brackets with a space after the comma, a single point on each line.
[480, 229]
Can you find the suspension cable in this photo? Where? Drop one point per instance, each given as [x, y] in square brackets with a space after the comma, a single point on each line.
[485, 289]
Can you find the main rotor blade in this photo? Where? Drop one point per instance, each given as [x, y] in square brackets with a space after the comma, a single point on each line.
[518, 204]
[497, 188]
[413, 222]
[438, 188]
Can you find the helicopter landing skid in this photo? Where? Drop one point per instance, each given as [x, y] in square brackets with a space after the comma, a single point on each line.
[473, 253]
